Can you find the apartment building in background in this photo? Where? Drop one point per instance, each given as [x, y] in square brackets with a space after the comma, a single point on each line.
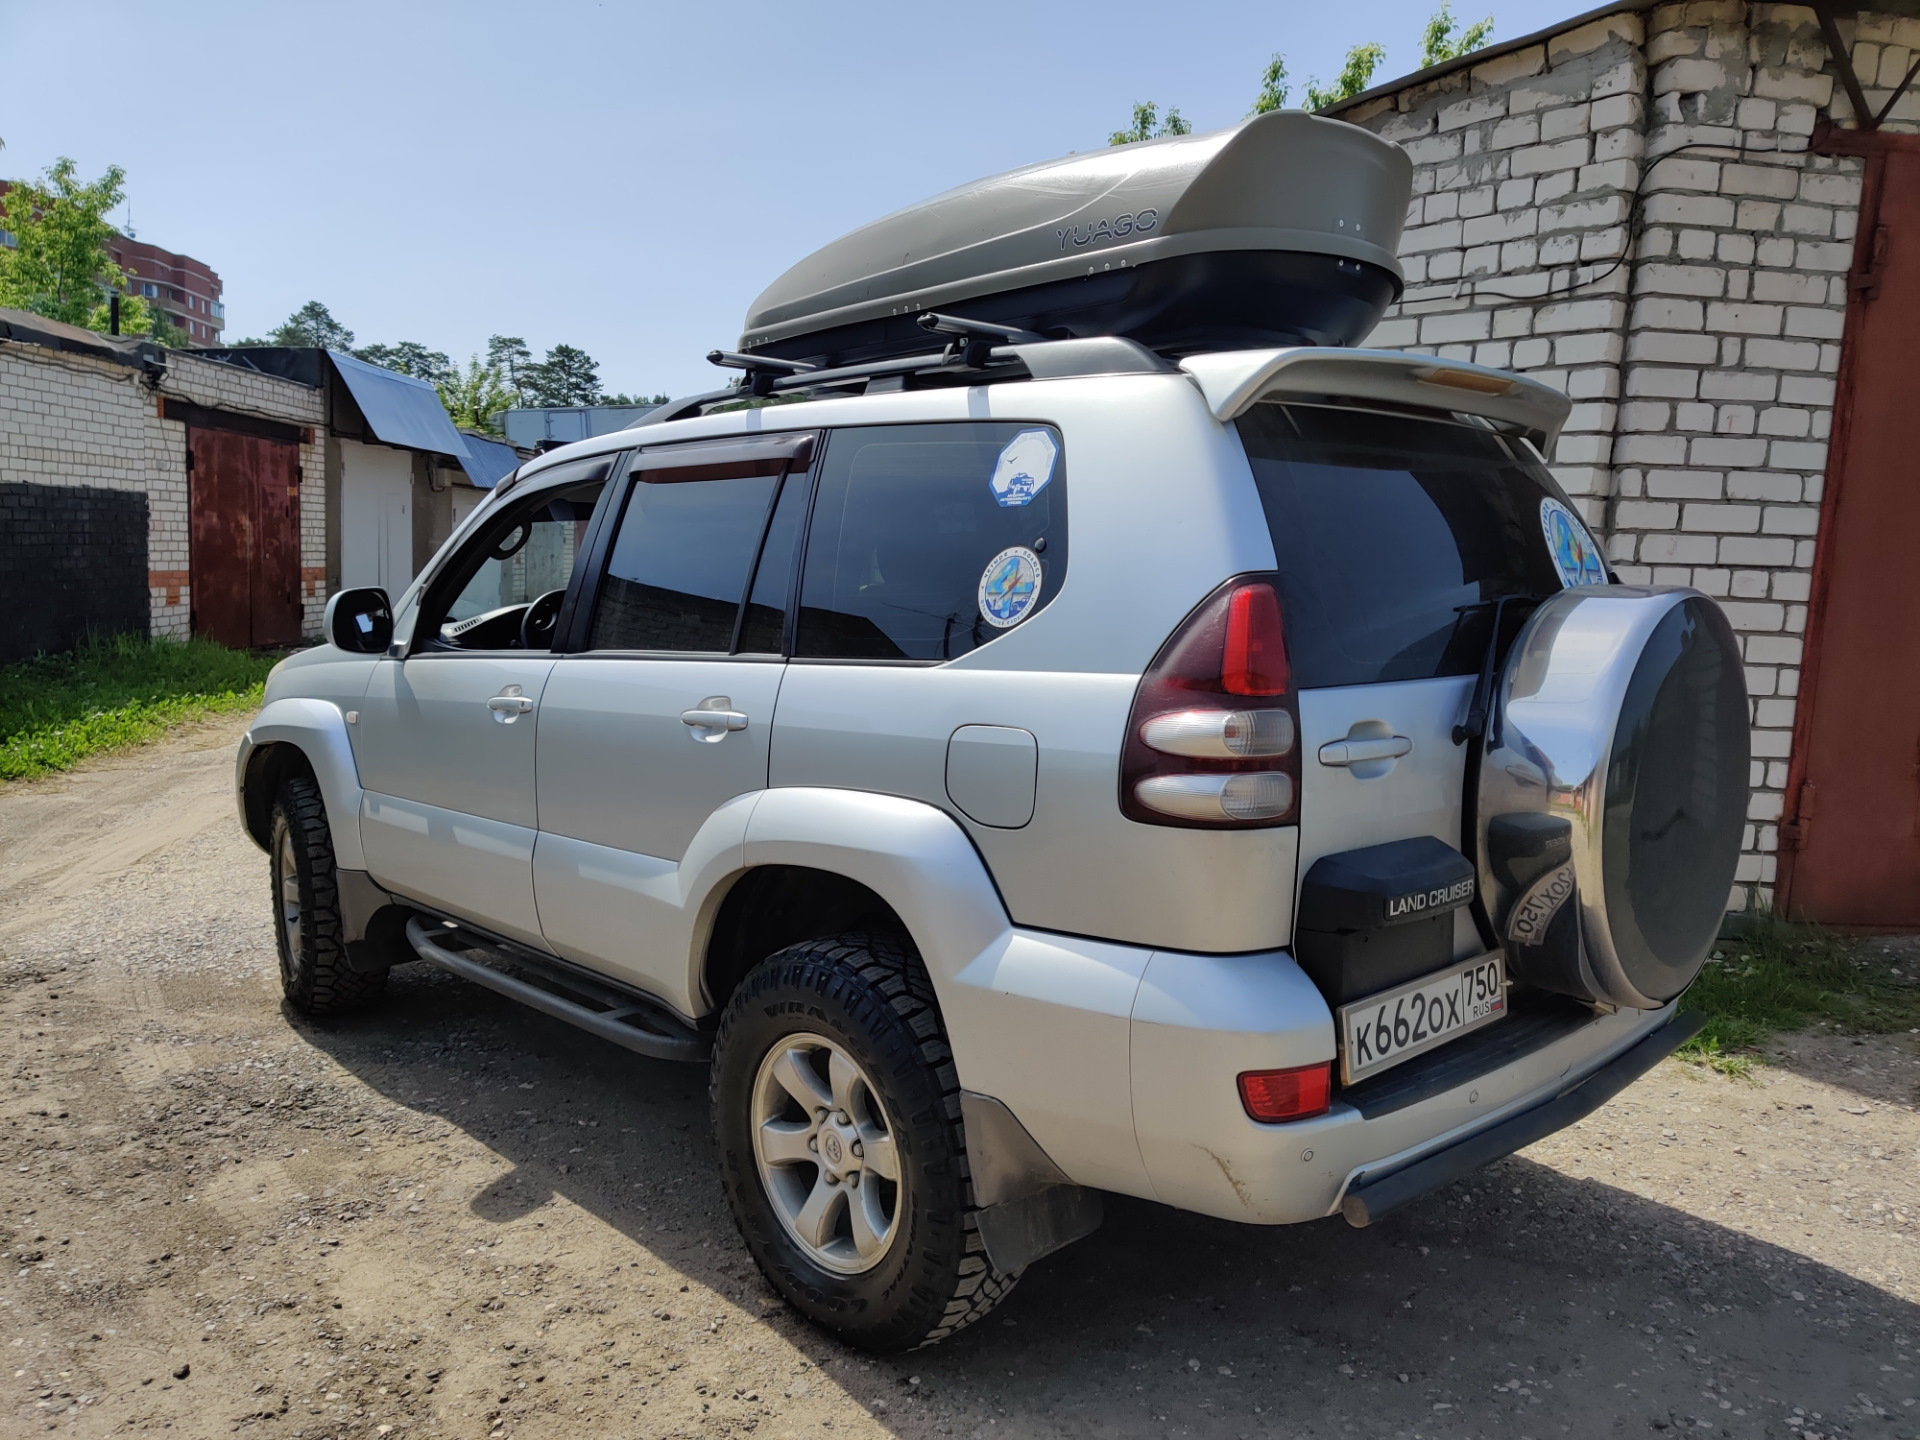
[187, 290]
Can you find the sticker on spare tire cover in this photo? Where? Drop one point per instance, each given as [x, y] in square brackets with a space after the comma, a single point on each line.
[1009, 587]
[1024, 467]
[1574, 554]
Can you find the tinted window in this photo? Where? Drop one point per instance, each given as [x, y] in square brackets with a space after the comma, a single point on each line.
[908, 521]
[1393, 536]
[679, 564]
[764, 630]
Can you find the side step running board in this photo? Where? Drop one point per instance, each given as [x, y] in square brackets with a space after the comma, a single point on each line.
[626, 1021]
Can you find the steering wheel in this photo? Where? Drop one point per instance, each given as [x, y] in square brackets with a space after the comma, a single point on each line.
[537, 626]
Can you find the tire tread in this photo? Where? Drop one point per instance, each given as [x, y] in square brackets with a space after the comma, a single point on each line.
[888, 968]
[329, 985]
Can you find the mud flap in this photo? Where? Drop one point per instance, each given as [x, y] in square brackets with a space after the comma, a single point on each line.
[1029, 1208]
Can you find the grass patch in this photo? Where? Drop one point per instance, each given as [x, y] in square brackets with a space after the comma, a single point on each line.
[56, 710]
[1773, 976]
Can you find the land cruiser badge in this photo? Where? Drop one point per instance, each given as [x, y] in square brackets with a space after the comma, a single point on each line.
[1024, 467]
[1009, 587]
[1574, 554]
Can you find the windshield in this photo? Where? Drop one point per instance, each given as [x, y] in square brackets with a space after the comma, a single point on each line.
[1394, 536]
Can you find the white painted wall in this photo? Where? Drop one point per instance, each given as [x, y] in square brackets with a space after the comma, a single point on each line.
[466, 500]
[376, 517]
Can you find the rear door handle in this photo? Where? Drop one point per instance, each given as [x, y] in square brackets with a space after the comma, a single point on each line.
[1353, 752]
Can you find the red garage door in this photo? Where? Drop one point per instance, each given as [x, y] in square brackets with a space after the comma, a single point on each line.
[1851, 851]
[244, 504]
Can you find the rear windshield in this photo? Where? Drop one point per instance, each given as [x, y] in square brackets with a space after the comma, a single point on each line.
[1394, 536]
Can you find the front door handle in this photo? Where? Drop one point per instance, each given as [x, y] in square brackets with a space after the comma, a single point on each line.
[1355, 752]
[509, 705]
[713, 719]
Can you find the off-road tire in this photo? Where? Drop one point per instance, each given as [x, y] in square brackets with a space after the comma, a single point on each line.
[318, 979]
[870, 994]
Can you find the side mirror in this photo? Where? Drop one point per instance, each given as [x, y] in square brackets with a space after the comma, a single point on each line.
[359, 621]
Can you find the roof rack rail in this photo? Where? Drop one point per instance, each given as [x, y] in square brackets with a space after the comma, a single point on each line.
[973, 357]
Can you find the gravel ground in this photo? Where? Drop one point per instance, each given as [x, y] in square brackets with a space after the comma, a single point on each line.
[453, 1218]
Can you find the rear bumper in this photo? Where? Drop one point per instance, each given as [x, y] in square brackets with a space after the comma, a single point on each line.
[1386, 1187]
[1198, 1021]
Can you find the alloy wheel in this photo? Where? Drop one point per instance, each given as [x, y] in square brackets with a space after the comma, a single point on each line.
[287, 884]
[825, 1152]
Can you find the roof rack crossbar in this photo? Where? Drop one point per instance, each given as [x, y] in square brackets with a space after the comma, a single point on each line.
[975, 339]
[1027, 356]
[762, 370]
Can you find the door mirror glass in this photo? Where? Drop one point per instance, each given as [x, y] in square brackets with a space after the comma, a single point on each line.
[360, 621]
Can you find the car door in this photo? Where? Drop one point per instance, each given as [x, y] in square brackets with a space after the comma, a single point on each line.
[444, 737]
[1400, 543]
[661, 714]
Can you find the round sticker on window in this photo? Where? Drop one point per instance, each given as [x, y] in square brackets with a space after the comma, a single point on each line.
[1009, 587]
[1574, 554]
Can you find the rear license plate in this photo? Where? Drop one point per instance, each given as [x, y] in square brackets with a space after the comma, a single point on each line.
[1380, 1031]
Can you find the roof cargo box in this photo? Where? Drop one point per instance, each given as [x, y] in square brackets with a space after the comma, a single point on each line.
[1280, 231]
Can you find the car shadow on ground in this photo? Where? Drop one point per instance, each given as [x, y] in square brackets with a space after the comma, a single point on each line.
[1522, 1301]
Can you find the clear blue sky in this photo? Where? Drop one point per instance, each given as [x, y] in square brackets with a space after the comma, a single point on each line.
[622, 177]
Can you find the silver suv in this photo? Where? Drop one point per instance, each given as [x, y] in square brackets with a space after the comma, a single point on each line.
[1024, 763]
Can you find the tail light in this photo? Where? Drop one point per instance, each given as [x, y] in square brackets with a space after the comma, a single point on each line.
[1213, 740]
[1271, 1096]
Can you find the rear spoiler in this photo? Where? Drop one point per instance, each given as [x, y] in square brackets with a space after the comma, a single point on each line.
[1235, 381]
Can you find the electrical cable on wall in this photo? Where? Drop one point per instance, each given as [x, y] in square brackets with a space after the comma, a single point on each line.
[1636, 212]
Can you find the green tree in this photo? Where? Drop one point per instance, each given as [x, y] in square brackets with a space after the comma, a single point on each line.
[660, 399]
[474, 397]
[1439, 43]
[1354, 76]
[567, 376]
[312, 325]
[1147, 125]
[409, 357]
[1273, 87]
[510, 356]
[137, 317]
[58, 265]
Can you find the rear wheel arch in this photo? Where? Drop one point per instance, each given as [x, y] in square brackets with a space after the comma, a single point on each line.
[771, 907]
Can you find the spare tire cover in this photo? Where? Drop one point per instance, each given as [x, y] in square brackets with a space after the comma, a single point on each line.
[1613, 792]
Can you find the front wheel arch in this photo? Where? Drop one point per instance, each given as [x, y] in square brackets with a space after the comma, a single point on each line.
[268, 768]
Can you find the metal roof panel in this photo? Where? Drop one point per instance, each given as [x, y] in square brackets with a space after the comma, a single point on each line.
[400, 410]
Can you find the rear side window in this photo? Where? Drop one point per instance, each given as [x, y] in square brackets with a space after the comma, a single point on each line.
[679, 566]
[1394, 536]
[928, 541]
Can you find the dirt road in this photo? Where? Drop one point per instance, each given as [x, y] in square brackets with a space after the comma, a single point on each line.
[453, 1218]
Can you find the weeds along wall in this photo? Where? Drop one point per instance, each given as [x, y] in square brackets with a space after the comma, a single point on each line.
[83, 446]
[1629, 211]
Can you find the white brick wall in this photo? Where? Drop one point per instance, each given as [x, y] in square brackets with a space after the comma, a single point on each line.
[74, 420]
[1701, 368]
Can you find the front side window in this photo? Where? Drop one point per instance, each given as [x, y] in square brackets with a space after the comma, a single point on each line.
[678, 571]
[928, 541]
[505, 587]
[1395, 537]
